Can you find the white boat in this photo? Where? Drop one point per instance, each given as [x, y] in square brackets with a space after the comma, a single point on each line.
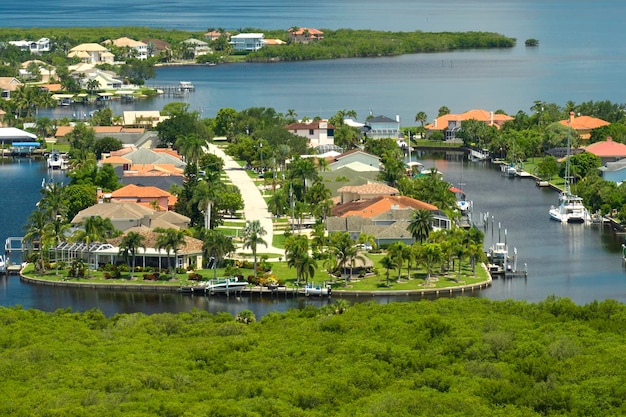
[56, 160]
[570, 207]
[319, 290]
[221, 285]
[186, 86]
[509, 169]
[3, 264]
[499, 253]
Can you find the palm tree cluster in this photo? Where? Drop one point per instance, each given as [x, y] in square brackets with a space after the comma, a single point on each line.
[252, 235]
[170, 240]
[298, 257]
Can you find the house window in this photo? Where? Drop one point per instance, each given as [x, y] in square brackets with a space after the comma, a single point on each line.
[311, 132]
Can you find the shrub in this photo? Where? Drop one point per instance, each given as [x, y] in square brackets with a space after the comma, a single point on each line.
[195, 277]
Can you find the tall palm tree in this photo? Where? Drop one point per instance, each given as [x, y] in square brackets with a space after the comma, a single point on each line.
[206, 195]
[94, 229]
[421, 224]
[253, 234]
[216, 245]
[171, 240]
[296, 249]
[191, 146]
[396, 253]
[56, 230]
[36, 232]
[130, 244]
[306, 267]
[421, 117]
[387, 263]
[430, 254]
[53, 200]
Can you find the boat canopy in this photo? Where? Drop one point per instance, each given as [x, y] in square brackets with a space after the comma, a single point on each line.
[26, 144]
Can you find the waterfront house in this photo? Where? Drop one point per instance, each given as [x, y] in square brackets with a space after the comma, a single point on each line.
[157, 47]
[305, 35]
[214, 35]
[318, 132]
[142, 118]
[34, 47]
[380, 127]
[583, 125]
[247, 42]
[125, 215]
[197, 47]
[136, 49]
[614, 171]
[8, 85]
[607, 150]
[385, 217]
[356, 160]
[449, 124]
[92, 53]
[105, 79]
[46, 74]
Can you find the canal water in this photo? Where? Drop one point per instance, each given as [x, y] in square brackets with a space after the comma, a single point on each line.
[575, 261]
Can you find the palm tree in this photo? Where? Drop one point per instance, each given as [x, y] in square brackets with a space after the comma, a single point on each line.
[36, 232]
[421, 117]
[53, 200]
[206, 195]
[171, 240]
[129, 245]
[95, 228]
[306, 267]
[421, 224]
[429, 255]
[56, 230]
[216, 245]
[443, 110]
[396, 253]
[296, 248]
[253, 234]
[93, 86]
[387, 263]
[191, 146]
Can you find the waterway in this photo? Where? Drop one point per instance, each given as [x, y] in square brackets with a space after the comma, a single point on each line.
[579, 262]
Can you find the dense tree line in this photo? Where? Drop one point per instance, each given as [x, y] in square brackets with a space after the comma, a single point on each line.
[450, 357]
[349, 43]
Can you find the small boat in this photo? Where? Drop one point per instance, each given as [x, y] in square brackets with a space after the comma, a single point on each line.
[499, 253]
[3, 264]
[319, 290]
[56, 160]
[510, 170]
[221, 285]
[186, 86]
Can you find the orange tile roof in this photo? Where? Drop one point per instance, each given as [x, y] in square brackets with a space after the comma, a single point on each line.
[64, 130]
[379, 205]
[584, 122]
[138, 191]
[495, 119]
[51, 87]
[154, 169]
[300, 31]
[115, 160]
[607, 148]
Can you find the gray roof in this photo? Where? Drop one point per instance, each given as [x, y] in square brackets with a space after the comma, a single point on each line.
[380, 119]
[159, 181]
[146, 156]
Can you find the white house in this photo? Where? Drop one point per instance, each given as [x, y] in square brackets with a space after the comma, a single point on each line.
[105, 79]
[197, 47]
[139, 49]
[318, 132]
[35, 47]
[7, 85]
[247, 42]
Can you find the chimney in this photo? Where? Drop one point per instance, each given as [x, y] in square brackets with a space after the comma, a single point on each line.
[609, 139]
[571, 116]
[435, 123]
[397, 118]
[491, 118]
[99, 195]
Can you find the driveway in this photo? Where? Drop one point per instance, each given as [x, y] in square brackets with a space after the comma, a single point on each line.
[255, 207]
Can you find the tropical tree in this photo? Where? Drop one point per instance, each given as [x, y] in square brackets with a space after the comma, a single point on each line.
[94, 229]
[171, 240]
[206, 195]
[397, 254]
[388, 263]
[296, 249]
[306, 267]
[421, 224]
[216, 245]
[253, 234]
[430, 254]
[421, 118]
[443, 110]
[191, 146]
[36, 232]
[56, 231]
[130, 244]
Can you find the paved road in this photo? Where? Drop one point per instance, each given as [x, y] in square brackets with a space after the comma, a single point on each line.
[255, 207]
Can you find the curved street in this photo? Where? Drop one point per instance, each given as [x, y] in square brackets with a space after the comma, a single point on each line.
[255, 207]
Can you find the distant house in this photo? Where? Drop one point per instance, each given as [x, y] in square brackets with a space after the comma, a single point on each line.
[385, 217]
[145, 118]
[143, 156]
[451, 123]
[614, 171]
[607, 150]
[380, 127]
[126, 215]
[273, 42]
[146, 195]
[92, 53]
[318, 132]
[583, 125]
[305, 35]
[106, 79]
[34, 47]
[138, 49]
[356, 160]
[214, 35]
[124, 134]
[350, 193]
[156, 46]
[8, 85]
[247, 42]
[197, 47]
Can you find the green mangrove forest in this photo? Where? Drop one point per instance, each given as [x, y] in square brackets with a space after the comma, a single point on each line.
[451, 357]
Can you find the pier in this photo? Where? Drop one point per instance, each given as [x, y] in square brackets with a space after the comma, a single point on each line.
[173, 89]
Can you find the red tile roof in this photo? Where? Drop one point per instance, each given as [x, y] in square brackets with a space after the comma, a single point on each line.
[607, 149]
[371, 188]
[492, 119]
[379, 205]
[584, 122]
